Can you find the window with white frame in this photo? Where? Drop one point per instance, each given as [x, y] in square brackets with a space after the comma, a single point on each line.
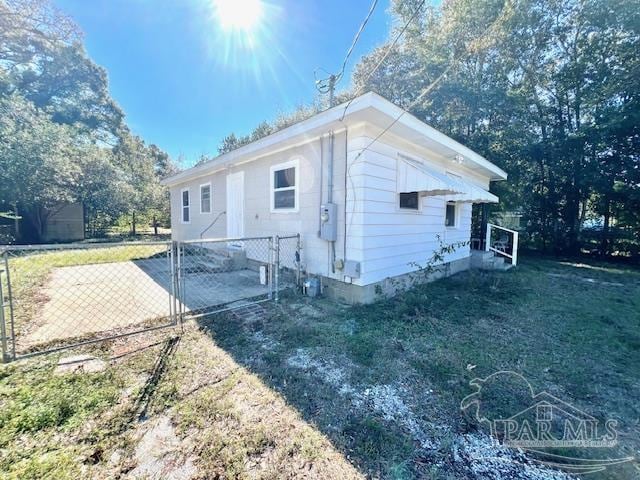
[284, 187]
[205, 198]
[450, 214]
[186, 205]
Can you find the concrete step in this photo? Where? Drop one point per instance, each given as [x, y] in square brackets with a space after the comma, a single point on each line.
[208, 262]
[489, 261]
[216, 261]
[214, 266]
[478, 258]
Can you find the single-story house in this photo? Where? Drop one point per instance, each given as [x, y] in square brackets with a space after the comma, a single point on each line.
[368, 186]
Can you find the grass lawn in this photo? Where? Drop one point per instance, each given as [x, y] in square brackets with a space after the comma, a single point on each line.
[321, 390]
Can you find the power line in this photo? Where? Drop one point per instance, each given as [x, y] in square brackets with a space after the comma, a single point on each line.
[424, 92]
[384, 57]
[433, 84]
[356, 38]
[328, 84]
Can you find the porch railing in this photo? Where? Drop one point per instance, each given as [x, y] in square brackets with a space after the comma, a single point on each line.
[212, 223]
[502, 246]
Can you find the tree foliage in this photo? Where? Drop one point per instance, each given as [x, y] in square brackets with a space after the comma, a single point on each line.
[547, 89]
[62, 137]
[264, 128]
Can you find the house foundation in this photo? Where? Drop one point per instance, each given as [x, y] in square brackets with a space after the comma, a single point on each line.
[389, 287]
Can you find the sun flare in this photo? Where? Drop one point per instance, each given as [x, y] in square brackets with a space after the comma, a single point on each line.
[244, 15]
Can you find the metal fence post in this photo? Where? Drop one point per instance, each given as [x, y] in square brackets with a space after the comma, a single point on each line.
[180, 280]
[298, 261]
[269, 272]
[3, 327]
[172, 267]
[277, 267]
[10, 296]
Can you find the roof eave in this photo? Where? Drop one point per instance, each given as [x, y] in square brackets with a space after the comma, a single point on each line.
[334, 115]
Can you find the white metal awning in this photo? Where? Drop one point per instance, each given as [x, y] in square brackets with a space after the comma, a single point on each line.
[415, 176]
[474, 194]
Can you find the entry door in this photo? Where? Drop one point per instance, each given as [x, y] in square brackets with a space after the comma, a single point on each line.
[235, 205]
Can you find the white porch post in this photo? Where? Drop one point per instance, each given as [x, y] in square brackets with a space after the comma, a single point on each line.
[487, 240]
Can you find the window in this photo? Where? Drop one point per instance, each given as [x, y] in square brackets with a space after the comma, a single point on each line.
[186, 206]
[450, 215]
[410, 200]
[205, 198]
[284, 187]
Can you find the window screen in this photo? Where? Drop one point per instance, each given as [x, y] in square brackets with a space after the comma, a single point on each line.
[409, 200]
[205, 198]
[284, 189]
[186, 214]
[450, 215]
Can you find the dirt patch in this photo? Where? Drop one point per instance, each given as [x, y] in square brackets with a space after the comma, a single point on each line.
[590, 280]
[266, 343]
[386, 400]
[306, 310]
[79, 364]
[158, 453]
[326, 369]
[481, 457]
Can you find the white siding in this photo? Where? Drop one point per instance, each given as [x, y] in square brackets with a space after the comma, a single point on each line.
[392, 239]
[199, 221]
[384, 238]
[258, 219]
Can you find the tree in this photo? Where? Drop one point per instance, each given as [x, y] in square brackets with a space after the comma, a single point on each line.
[547, 89]
[42, 59]
[62, 137]
[37, 168]
[231, 142]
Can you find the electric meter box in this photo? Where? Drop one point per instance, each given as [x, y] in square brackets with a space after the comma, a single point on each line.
[351, 269]
[329, 222]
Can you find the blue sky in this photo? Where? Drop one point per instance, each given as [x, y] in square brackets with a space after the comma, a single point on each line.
[184, 82]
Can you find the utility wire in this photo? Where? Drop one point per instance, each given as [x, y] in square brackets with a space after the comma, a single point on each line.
[435, 82]
[355, 39]
[422, 94]
[384, 57]
[327, 84]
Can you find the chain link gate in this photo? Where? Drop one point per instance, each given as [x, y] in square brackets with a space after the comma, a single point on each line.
[216, 275]
[288, 263]
[54, 297]
[61, 296]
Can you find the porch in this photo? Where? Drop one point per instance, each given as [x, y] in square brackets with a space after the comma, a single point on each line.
[496, 249]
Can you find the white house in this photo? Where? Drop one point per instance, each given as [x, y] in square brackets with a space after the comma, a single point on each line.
[368, 186]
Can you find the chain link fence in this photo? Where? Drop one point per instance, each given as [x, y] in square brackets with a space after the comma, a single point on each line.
[288, 263]
[221, 274]
[59, 296]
